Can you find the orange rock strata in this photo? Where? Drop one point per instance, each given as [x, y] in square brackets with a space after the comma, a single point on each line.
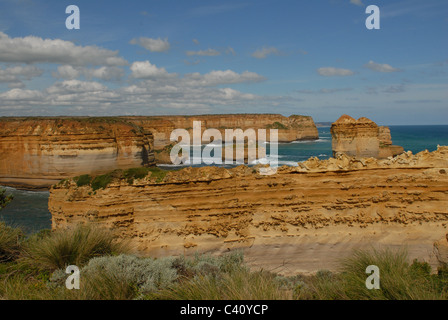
[362, 138]
[290, 128]
[41, 151]
[301, 219]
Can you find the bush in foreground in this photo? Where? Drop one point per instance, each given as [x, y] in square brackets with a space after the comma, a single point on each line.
[399, 280]
[109, 272]
[10, 240]
[71, 246]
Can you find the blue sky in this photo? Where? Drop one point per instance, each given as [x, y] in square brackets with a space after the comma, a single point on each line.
[199, 57]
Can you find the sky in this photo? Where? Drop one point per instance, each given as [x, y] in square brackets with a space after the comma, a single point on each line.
[166, 57]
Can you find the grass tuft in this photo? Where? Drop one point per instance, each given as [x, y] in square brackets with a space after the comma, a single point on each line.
[71, 246]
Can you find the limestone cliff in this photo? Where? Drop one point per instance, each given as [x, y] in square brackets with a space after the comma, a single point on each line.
[39, 152]
[301, 219]
[289, 128]
[362, 138]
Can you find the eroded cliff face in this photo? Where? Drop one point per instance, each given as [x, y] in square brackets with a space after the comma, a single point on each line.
[39, 152]
[301, 219]
[362, 138]
[289, 128]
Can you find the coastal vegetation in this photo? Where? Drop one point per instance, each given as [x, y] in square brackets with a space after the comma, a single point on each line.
[34, 267]
[4, 198]
[129, 175]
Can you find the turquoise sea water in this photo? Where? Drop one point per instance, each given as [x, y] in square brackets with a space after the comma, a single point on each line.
[29, 209]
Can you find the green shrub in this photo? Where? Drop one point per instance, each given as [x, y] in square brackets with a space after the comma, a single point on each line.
[83, 180]
[4, 199]
[157, 173]
[10, 240]
[238, 284]
[144, 275]
[101, 182]
[276, 125]
[135, 173]
[398, 279]
[72, 246]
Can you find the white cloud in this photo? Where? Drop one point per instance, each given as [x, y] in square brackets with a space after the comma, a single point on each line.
[381, 67]
[325, 90]
[146, 70]
[153, 45]
[15, 75]
[75, 86]
[219, 77]
[208, 52]
[17, 94]
[264, 52]
[33, 49]
[103, 73]
[357, 2]
[330, 72]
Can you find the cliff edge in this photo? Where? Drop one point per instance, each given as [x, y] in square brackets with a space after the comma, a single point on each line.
[301, 219]
[38, 152]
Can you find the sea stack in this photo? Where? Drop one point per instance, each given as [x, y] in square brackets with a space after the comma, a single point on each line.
[362, 138]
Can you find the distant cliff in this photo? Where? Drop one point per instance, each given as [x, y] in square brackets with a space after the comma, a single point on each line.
[290, 128]
[301, 219]
[39, 152]
[362, 138]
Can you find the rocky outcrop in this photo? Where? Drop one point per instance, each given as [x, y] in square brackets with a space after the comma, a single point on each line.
[362, 138]
[38, 152]
[441, 252]
[301, 219]
[289, 129]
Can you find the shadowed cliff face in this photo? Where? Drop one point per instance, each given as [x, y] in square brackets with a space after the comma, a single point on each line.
[362, 138]
[40, 152]
[301, 219]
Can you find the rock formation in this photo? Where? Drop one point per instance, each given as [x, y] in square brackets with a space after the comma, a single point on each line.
[362, 138]
[301, 219]
[290, 128]
[38, 152]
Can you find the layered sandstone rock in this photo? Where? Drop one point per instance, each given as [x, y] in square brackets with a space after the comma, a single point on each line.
[362, 138]
[289, 129]
[301, 219]
[41, 151]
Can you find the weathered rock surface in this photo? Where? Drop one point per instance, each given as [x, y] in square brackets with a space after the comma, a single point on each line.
[301, 219]
[41, 151]
[362, 138]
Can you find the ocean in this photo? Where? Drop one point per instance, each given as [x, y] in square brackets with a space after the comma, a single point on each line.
[29, 209]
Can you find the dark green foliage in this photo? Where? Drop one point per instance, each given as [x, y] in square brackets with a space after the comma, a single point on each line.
[135, 173]
[4, 199]
[101, 182]
[75, 245]
[158, 173]
[10, 241]
[276, 125]
[83, 180]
